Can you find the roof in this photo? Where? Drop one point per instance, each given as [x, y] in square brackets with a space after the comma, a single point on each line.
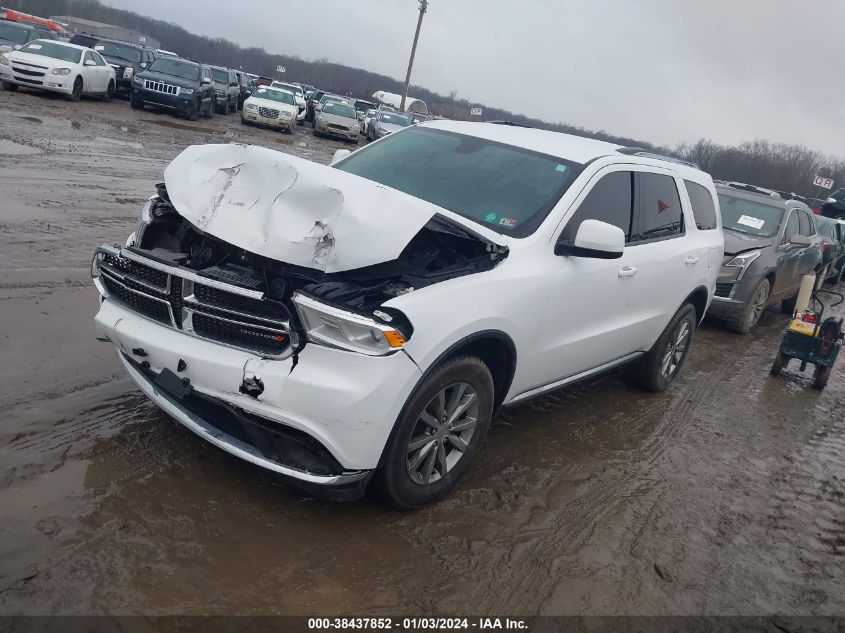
[26, 25]
[113, 40]
[83, 21]
[762, 198]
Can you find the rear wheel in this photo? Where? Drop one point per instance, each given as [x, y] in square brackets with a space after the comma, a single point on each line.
[76, 93]
[820, 377]
[752, 311]
[659, 367]
[779, 363]
[787, 306]
[437, 434]
[10, 86]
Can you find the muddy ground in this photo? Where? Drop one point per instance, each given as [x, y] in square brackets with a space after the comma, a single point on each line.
[724, 495]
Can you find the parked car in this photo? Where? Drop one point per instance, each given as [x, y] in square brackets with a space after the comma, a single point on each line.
[246, 86]
[834, 206]
[328, 98]
[311, 104]
[362, 322]
[298, 93]
[14, 35]
[386, 123]
[337, 119]
[833, 247]
[271, 107]
[362, 106]
[226, 89]
[179, 85]
[770, 244]
[125, 57]
[60, 67]
[369, 115]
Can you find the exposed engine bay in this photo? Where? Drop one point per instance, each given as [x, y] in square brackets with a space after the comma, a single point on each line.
[441, 250]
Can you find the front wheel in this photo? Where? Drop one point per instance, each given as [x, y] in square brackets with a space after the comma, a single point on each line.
[76, 93]
[10, 86]
[109, 92]
[820, 377]
[779, 364]
[437, 434]
[659, 367]
[194, 114]
[753, 310]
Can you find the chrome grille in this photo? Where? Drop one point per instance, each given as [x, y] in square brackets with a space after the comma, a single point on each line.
[28, 71]
[268, 113]
[157, 86]
[184, 300]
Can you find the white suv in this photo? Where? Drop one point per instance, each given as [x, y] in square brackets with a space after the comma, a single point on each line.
[363, 322]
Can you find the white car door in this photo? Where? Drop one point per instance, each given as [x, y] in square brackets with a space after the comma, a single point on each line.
[104, 70]
[589, 319]
[91, 77]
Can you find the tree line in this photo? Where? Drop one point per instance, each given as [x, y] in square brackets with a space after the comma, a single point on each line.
[774, 165]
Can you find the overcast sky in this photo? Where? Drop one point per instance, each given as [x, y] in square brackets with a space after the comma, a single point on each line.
[659, 70]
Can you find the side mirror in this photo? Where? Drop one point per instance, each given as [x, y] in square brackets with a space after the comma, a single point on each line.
[90, 62]
[143, 65]
[595, 239]
[340, 155]
[800, 241]
[17, 47]
[206, 80]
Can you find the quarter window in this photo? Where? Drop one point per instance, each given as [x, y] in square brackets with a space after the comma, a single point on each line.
[702, 206]
[610, 200]
[793, 227]
[659, 207]
[806, 224]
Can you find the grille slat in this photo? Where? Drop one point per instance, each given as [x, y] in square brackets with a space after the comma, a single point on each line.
[268, 113]
[724, 290]
[158, 86]
[26, 71]
[258, 325]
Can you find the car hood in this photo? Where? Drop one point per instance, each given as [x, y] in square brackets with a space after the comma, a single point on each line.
[293, 210]
[340, 120]
[269, 103]
[390, 127]
[168, 79]
[40, 60]
[736, 243]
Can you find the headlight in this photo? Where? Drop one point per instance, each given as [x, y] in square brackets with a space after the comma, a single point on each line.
[325, 325]
[128, 72]
[743, 261]
[4, 59]
[284, 114]
[829, 200]
[138, 80]
[251, 107]
[60, 71]
[186, 91]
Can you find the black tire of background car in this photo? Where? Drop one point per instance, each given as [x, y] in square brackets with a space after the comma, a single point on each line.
[820, 377]
[645, 373]
[779, 363]
[746, 320]
[212, 108]
[76, 95]
[392, 480]
[194, 114]
[135, 104]
[109, 92]
[10, 87]
[787, 306]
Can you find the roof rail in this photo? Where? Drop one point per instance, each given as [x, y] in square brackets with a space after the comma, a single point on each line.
[641, 151]
[510, 123]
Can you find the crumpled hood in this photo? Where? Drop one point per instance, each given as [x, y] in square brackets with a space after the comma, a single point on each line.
[291, 209]
[738, 242]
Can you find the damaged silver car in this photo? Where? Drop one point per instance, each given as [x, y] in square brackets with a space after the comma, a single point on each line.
[360, 323]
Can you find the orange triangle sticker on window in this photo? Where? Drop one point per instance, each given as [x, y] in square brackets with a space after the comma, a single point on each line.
[661, 206]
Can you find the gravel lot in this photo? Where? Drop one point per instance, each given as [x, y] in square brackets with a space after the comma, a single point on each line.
[724, 495]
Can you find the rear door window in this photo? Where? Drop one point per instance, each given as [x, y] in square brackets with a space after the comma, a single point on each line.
[702, 206]
[658, 210]
[610, 200]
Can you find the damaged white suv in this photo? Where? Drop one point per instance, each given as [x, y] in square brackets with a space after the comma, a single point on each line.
[362, 322]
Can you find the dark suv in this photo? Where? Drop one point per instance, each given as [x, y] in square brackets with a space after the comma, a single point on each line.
[770, 244]
[126, 58]
[179, 85]
[246, 86]
[834, 207]
[226, 89]
[13, 34]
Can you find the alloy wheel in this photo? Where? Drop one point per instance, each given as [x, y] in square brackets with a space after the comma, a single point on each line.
[676, 349]
[442, 434]
[758, 305]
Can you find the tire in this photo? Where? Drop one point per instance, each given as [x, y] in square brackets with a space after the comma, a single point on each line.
[109, 92]
[76, 95]
[779, 363]
[243, 120]
[424, 458]
[658, 368]
[787, 306]
[136, 104]
[10, 86]
[820, 377]
[212, 109]
[752, 311]
[194, 114]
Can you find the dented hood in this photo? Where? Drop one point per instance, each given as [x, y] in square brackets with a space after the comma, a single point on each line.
[291, 209]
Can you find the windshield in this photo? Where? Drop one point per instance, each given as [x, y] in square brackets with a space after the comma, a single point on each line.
[13, 33]
[53, 50]
[394, 119]
[176, 68]
[749, 217]
[340, 109]
[220, 76]
[126, 53]
[363, 106]
[507, 189]
[274, 95]
[294, 89]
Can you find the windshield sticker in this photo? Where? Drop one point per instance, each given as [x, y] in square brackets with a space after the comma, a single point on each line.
[561, 168]
[35, 47]
[491, 216]
[508, 222]
[661, 206]
[748, 220]
[99, 48]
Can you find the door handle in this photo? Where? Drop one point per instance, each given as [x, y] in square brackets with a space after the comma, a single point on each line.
[692, 259]
[628, 271]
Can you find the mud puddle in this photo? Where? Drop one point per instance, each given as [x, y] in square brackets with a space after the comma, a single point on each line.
[724, 495]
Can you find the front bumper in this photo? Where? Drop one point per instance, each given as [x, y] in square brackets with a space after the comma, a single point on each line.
[62, 84]
[180, 103]
[732, 294]
[351, 135]
[254, 117]
[346, 402]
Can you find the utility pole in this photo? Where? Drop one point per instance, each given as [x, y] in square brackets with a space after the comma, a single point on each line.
[423, 7]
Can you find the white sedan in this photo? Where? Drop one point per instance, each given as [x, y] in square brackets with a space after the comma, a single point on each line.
[58, 67]
[271, 107]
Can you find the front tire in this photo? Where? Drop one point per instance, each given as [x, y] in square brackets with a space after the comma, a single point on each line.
[76, 94]
[779, 364]
[752, 311]
[194, 114]
[109, 92]
[659, 367]
[820, 377]
[439, 431]
[10, 86]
